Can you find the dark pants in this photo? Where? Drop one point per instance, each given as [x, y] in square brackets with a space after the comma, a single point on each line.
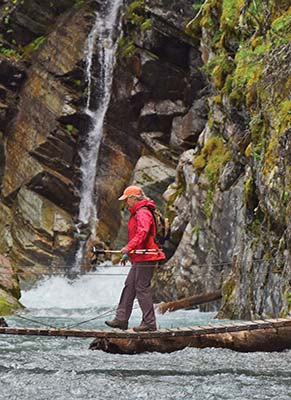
[138, 285]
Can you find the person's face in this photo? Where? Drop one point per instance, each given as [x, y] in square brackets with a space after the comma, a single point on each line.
[130, 201]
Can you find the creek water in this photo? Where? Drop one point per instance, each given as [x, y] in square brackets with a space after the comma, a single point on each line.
[58, 368]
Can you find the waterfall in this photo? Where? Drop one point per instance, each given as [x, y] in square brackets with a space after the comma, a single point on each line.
[103, 41]
[101, 36]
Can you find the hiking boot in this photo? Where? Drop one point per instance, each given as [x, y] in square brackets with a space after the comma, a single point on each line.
[115, 323]
[144, 328]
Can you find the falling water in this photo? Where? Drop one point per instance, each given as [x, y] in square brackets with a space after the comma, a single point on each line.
[101, 40]
[101, 36]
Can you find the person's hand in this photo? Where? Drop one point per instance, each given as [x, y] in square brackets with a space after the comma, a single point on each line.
[124, 259]
[124, 250]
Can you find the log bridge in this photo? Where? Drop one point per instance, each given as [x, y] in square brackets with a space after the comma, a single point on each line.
[259, 335]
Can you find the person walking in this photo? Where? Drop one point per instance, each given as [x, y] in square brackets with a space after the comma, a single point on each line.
[141, 235]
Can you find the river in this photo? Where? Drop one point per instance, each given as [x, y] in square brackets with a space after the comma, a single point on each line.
[56, 368]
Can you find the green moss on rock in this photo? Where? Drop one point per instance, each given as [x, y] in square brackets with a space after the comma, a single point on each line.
[214, 155]
[281, 28]
[249, 193]
[230, 13]
[199, 163]
[8, 304]
[248, 71]
[211, 12]
[227, 309]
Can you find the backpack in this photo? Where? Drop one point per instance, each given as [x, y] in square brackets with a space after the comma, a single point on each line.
[163, 229]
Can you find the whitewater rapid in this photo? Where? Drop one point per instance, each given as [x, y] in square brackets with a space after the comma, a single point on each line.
[93, 290]
[42, 368]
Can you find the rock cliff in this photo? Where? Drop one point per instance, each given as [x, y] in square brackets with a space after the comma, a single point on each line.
[236, 179]
[229, 203]
[199, 111]
[42, 127]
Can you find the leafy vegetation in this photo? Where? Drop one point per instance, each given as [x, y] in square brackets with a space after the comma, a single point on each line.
[79, 3]
[33, 46]
[198, 4]
[137, 21]
[69, 128]
[8, 52]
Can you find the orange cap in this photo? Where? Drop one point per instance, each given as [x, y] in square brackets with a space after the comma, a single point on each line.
[131, 191]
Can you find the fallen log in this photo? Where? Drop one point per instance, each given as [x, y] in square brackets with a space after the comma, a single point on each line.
[256, 336]
[191, 301]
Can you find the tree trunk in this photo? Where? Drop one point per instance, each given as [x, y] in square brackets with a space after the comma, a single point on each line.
[189, 301]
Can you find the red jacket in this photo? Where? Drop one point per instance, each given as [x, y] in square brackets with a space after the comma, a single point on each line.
[142, 231]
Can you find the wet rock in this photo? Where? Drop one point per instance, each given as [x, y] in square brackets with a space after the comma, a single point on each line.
[8, 278]
[6, 217]
[2, 157]
[178, 195]
[204, 248]
[8, 303]
[41, 214]
[42, 232]
[41, 175]
[230, 174]
[9, 288]
[159, 115]
[150, 88]
[177, 14]
[166, 81]
[154, 176]
[187, 129]
[3, 323]
[12, 74]
[154, 142]
[29, 20]
[166, 107]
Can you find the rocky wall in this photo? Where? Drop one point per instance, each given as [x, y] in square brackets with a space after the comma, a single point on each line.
[240, 167]
[156, 80]
[202, 98]
[42, 127]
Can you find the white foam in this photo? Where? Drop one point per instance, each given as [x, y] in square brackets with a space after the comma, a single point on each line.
[99, 289]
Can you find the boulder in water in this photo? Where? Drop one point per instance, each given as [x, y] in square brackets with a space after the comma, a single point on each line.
[3, 322]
